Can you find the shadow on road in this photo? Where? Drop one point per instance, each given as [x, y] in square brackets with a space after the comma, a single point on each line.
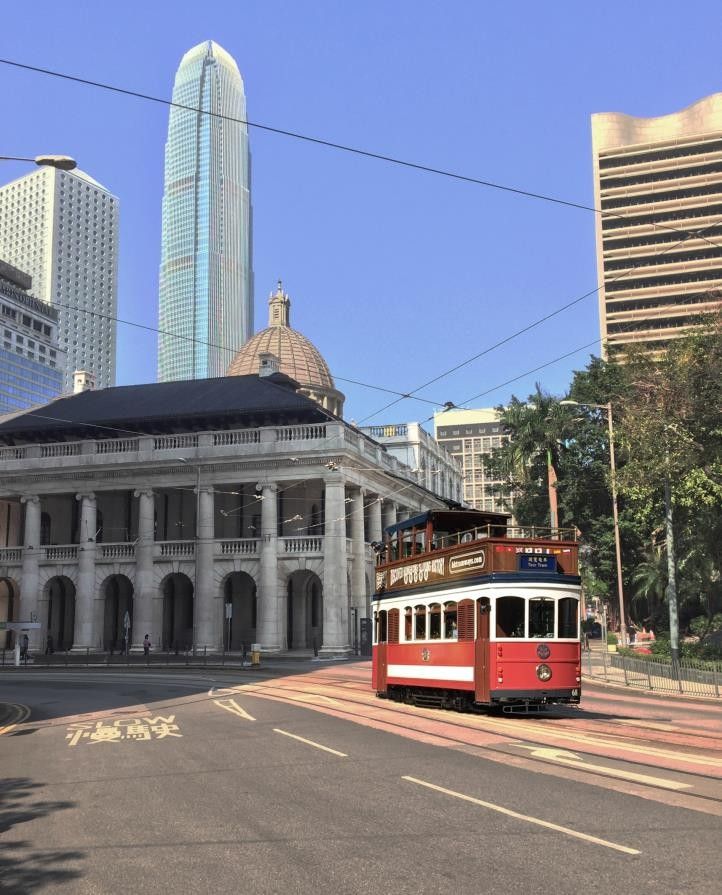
[24, 868]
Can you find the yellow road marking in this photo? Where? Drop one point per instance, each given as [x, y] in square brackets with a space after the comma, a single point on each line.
[526, 817]
[22, 713]
[572, 760]
[230, 705]
[309, 742]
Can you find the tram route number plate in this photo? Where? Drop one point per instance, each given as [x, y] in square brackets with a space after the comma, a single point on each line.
[534, 562]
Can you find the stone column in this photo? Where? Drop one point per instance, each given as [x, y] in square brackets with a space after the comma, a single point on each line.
[335, 583]
[268, 629]
[376, 532]
[146, 617]
[207, 605]
[85, 634]
[358, 562]
[29, 596]
[389, 513]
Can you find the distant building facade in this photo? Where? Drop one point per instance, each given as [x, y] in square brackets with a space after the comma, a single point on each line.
[470, 436]
[657, 181]
[61, 227]
[429, 462]
[32, 365]
[206, 276]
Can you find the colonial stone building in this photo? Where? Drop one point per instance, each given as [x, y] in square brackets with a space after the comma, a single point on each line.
[176, 500]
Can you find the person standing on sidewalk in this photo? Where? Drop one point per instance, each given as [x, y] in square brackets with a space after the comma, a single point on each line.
[146, 645]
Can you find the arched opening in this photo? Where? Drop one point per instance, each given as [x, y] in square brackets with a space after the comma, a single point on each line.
[118, 599]
[239, 590]
[8, 608]
[177, 612]
[304, 611]
[60, 596]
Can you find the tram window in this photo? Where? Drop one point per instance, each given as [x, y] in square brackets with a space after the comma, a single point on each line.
[408, 623]
[510, 617]
[376, 627]
[382, 626]
[435, 621]
[567, 617]
[541, 618]
[450, 628]
[420, 628]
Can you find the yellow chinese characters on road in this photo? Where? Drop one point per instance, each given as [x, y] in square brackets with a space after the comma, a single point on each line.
[121, 729]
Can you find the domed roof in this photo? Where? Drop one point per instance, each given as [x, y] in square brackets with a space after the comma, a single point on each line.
[298, 357]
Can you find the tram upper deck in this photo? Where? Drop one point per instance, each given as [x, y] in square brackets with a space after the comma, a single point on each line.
[450, 545]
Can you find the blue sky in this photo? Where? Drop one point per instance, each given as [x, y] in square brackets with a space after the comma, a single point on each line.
[395, 275]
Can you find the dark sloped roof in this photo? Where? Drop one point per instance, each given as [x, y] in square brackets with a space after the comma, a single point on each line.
[225, 402]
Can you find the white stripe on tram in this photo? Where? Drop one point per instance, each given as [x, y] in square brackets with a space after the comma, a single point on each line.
[433, 672]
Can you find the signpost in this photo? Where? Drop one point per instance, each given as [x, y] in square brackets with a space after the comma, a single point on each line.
[229, 616]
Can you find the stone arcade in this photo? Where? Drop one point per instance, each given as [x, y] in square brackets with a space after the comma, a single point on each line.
[168, 501]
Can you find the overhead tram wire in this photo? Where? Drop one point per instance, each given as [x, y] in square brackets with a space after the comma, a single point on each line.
[412, 394]
[395, 161]
[330, 144]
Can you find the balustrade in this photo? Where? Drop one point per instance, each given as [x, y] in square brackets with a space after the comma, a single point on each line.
[116, 551]
[185, 549]
[59, 553]
[239, 546]
[302, 544]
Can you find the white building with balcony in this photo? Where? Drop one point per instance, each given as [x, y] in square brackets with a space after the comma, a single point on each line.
[170, 501]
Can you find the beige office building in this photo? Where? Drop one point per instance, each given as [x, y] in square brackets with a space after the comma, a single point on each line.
[470, 436]
[659, 242]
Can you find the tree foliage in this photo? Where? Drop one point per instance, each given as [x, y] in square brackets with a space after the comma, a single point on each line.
[667, 415]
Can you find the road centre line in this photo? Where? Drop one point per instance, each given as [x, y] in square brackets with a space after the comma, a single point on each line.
[585, 837]
[310, 742]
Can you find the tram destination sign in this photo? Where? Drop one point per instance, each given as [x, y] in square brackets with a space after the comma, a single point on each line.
[536, 562]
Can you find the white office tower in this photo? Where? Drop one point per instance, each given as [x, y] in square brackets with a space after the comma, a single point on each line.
[61, 227]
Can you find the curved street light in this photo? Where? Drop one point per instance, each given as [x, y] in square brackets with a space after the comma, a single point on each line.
[63, 162]
[607, 408]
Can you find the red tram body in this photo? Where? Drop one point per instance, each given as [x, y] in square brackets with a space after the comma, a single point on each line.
[470, 613]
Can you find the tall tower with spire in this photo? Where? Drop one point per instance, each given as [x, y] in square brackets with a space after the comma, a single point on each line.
[206, 273]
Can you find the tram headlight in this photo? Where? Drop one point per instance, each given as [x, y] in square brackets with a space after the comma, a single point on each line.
[543, 672]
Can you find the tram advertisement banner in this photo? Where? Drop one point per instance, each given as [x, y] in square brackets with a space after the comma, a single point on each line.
[427, 571]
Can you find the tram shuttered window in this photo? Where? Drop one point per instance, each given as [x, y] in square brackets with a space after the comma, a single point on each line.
[420, 626]
[510, 617]
[408, 623]
[435, 621]
[465, 614]
[393, 625]
[567, 617]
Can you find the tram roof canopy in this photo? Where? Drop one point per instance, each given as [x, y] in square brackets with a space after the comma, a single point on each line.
[451, 521]
[224, 402]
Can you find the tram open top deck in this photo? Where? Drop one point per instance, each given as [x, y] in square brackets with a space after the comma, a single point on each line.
[456, 544]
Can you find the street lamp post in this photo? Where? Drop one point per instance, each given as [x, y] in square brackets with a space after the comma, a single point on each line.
[607, 408]
[63, 162]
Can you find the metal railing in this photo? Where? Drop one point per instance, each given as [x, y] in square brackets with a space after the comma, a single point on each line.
[688, 677]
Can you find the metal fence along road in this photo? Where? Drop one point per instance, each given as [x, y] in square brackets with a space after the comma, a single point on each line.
[689, 678]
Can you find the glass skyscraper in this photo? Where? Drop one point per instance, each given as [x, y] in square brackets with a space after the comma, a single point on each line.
[206, 277]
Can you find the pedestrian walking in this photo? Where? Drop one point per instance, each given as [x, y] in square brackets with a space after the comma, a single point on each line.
[49, 648]
[24, 645]
[146, 645]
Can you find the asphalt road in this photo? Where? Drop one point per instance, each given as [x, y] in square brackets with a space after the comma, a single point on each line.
[290, 780]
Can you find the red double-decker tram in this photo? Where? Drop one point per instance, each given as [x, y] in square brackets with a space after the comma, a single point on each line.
[471, 613]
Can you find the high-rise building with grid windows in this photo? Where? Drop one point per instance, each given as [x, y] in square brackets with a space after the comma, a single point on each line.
[470, 436]
[206, 278]
[61, 227]
[658, 183]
